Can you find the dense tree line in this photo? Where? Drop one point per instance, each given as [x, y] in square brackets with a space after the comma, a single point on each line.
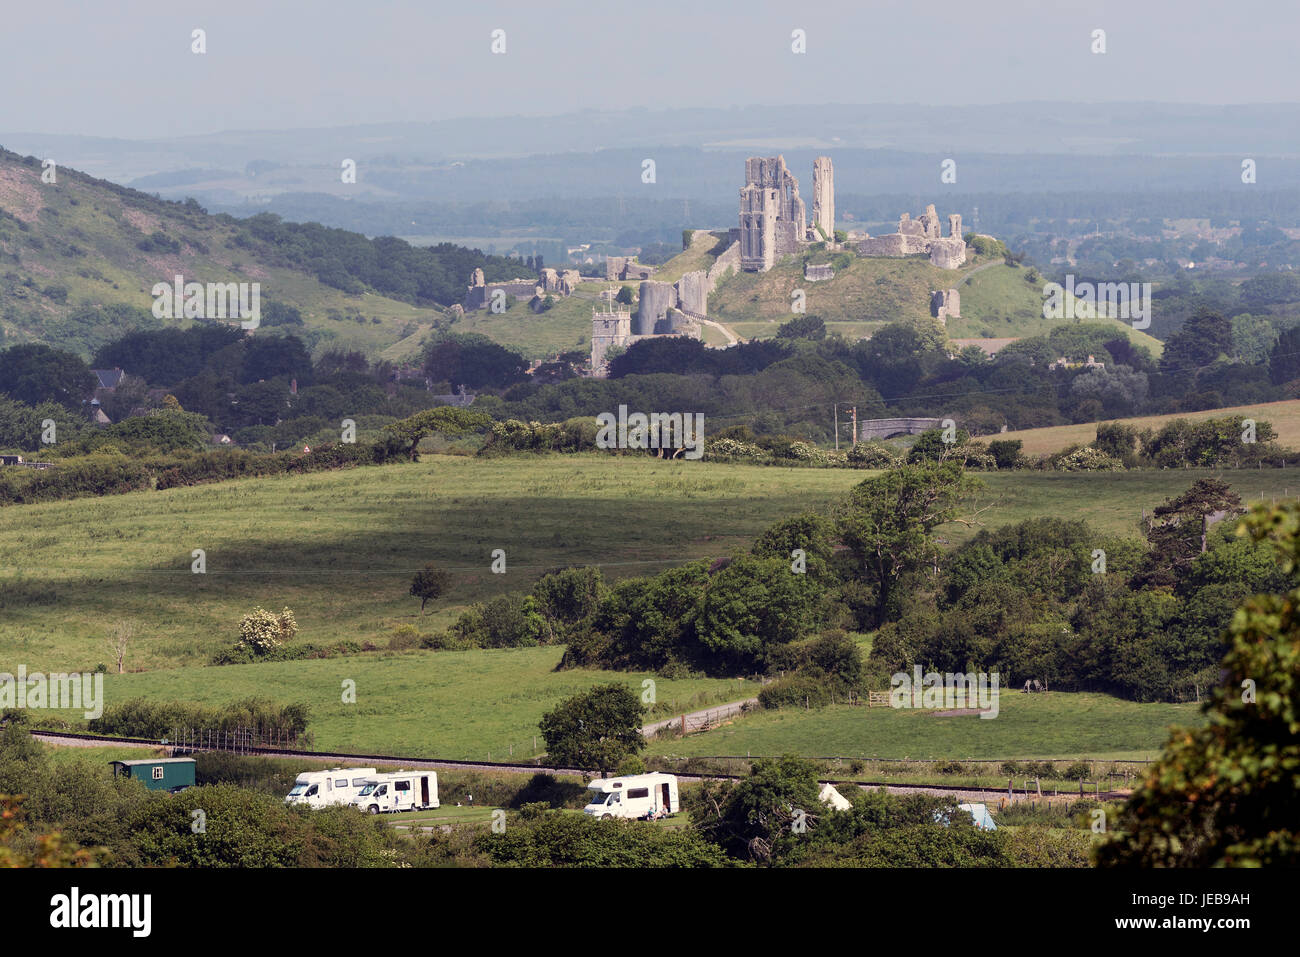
[1045, 598]
[432, 275]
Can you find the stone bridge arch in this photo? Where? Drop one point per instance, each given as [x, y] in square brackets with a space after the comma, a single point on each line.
[875, 429]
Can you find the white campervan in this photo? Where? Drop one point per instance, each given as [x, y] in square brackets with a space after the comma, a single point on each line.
[398, 791]
[650, 796]
[323, 788]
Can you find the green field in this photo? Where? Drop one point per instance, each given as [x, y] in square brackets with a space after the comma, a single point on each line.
[998, 302]
[339, 548]
[564, 327]
[459, 705]
[1027, 726]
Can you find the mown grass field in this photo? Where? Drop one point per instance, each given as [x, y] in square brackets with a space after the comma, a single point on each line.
[1284, 417]
[1054, 725]
[463, 705]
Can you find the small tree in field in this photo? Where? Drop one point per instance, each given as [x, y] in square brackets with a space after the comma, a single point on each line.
[596, 730]
[429, 583]
[118, 642]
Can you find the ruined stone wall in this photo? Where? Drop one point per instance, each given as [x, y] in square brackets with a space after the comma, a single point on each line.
[693, 292]
[479, 296]
[818, 273]
[945, 304]
[569, 280]
[823, 200]
[728, 261]
[773, 218]
[561, 282]
[920, 236]
[677, 323]
[621, 268]
[789, 235]
[947, 253]
[770, 173]
[893, 244]
[930, 223]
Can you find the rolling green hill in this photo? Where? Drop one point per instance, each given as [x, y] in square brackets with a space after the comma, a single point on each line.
[1284, 416]
[997, 301]
[79, 256]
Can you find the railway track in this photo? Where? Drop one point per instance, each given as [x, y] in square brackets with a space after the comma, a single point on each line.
[86, 740]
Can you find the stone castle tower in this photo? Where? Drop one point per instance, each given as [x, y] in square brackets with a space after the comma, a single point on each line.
[772, 216]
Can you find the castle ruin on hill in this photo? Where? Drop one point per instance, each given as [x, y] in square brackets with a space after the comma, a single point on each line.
[774, 224]
[920, 236]
[663, 309]
[549, 282]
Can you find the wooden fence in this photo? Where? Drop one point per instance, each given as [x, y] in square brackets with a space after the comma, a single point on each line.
[239, 740]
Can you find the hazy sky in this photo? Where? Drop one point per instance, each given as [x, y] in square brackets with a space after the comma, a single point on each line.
[125, 68]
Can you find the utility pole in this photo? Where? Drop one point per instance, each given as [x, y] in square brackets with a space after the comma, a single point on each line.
[837, 426]
[855, 426]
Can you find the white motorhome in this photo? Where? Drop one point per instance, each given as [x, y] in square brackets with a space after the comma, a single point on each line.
[649, 796]
[398, 791]
[324, 788]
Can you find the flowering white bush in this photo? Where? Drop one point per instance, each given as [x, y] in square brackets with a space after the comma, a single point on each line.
[262, 631]
[1088, 459]
[733, 449]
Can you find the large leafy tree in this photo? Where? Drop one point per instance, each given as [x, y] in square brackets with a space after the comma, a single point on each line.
[34, 373]
[1284, 361]
[595, 730]
[888, 521]
[444, 419]
[1225, 794]
[652, 621]
[474, 361]
[1177, 527]
[1203, 338]
[751, 605]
